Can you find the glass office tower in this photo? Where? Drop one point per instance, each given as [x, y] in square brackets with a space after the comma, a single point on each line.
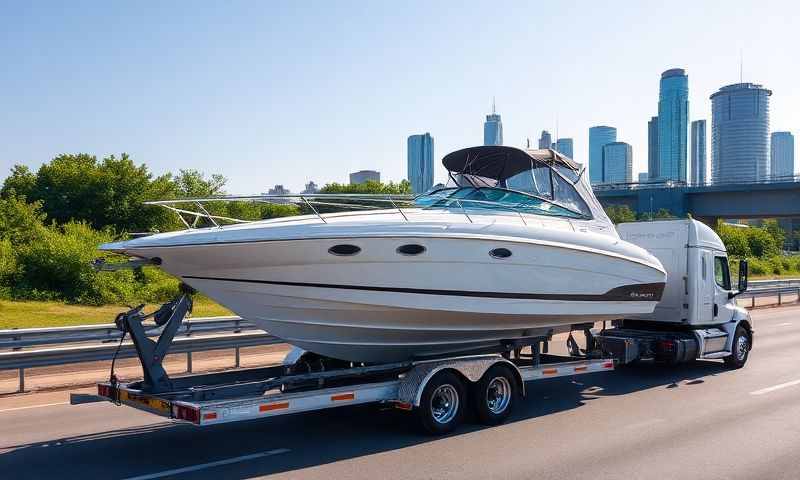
[564, 147]
[740, 133]
[493, 129]
[652, 149]
[699, 152]
[420, 162]
[598, 137]
[781, 154]
[673, 125]
[617, 163]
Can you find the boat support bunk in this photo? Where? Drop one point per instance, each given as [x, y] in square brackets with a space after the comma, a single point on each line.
[438, 390]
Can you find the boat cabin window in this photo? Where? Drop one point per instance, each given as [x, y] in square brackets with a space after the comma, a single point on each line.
[536, 180]
[721, 273]
[567, 195]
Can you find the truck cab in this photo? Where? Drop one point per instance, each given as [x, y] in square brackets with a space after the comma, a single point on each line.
[697, 316]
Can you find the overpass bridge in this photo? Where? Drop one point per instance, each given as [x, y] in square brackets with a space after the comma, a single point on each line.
[773, 198]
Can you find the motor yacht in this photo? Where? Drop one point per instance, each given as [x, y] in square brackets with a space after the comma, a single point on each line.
[514, 245]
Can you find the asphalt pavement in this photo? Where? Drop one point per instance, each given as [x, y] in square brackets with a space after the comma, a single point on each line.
[697, 421]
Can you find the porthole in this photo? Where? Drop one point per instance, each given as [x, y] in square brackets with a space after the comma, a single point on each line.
[500, 253]
[410, 249]
[344, 249]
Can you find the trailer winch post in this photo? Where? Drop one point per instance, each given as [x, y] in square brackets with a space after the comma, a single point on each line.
[151, 353]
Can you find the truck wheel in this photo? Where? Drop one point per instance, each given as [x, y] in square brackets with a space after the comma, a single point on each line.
[495, 394]
[740, 349]
[441, 407]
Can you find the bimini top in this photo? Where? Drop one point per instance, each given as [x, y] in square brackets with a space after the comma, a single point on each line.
[546, 175]
[501, 163]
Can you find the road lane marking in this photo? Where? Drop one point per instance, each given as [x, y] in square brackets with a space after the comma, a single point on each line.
[218, 463]
[784, 324]
[776, 387]
[33, 406]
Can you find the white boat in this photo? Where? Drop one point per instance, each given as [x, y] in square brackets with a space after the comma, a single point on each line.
[516, 244]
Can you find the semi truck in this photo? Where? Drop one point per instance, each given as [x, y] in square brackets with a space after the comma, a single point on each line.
[697, 318]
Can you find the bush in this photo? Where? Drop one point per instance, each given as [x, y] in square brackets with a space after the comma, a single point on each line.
[57, 265]
[761, 243]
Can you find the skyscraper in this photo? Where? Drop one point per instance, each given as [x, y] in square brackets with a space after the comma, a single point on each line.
[673, 124]
[699, 152]
[599, 136]
[363, 176]
[617, 163]
[564, 147]
[644, 177]
[652, 148]
[420, 162]
[781, 154]
[493, 129]
[546, 140]
[740, 133]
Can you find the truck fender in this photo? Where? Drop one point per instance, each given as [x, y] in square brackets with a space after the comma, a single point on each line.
[740, 317]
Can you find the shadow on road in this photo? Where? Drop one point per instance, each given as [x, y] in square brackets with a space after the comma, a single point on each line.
[313, 439]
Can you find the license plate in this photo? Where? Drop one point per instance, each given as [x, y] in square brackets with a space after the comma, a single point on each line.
[146, 401]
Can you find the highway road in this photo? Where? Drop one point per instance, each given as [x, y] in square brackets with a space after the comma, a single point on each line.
[699, 421]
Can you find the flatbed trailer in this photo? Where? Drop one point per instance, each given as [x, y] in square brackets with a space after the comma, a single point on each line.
[439, 391]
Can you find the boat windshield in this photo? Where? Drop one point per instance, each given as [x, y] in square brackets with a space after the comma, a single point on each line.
[495, 198]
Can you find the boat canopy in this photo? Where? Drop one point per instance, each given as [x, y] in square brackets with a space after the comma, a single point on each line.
[500, 163]
[543, 173]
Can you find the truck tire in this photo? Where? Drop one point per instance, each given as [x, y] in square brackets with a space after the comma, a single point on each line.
[495, 395]
[740, 349]
[441, 407]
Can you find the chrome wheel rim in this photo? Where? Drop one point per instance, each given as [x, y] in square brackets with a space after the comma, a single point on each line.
[741, 347]
[444, 403]
[498, 395]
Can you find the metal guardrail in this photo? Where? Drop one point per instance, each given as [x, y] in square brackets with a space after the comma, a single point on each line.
[95, 343]
[780, 292]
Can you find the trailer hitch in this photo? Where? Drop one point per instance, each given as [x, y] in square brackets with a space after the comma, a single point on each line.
[151, 353]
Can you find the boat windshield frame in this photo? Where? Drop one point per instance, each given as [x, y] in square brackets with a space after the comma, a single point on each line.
[445, 201]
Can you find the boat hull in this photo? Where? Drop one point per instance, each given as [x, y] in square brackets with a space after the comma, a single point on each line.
[379, 305]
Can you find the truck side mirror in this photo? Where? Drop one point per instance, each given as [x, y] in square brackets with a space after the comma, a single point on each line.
[742, 275]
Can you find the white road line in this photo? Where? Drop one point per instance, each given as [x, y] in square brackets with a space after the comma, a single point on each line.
[33, 406]
[785, 324]
[202, 466]
[776, 387]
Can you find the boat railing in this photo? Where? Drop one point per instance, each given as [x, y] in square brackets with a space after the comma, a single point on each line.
[191, 211]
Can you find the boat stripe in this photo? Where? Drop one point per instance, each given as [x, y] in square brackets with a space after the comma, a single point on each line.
[644, 292]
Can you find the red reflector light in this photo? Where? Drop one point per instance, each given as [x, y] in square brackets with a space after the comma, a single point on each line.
[403, 405]
[343, 396]
[608, 365]
[182, 412]
[667, 345]
[210, 416]
[104, 390]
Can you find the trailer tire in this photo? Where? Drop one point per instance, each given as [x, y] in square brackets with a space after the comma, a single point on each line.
[495, 395]
[442, 405]
[740, 350]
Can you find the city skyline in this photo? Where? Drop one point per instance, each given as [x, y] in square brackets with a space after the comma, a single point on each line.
[673, 124]
[173, 103]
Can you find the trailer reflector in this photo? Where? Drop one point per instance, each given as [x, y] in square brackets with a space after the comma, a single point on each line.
[549, 371]
[104, 390]
[210, 416]
[267, 407]
[343, 396]
[183, 412]
[403, 405]
[581, 369]
[608, 365]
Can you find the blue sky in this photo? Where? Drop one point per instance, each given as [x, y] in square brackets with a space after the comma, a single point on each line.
[283, 92]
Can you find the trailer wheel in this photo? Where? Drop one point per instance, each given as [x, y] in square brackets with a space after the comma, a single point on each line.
[740, 350]
[495, 394]
[441, 407]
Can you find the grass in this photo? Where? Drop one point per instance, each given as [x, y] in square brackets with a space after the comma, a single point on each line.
[14, 314]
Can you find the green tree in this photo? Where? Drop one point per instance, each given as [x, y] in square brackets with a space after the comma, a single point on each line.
[735, 239]
[20, 222]
[370, 187]
[620, 213]
[761, 243]
[775, 231]
[21, 182]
